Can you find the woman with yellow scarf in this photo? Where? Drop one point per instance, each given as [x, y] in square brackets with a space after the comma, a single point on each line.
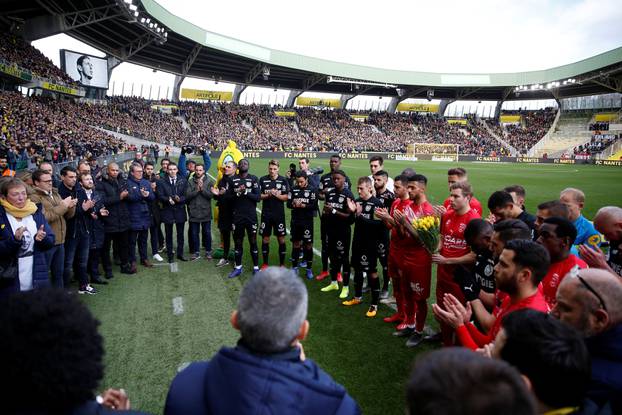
[24, 236]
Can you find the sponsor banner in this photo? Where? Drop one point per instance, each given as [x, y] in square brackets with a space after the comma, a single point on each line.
[608, 163]
[288, 114]
[461, 121]
[318, 102]
[509, 119]
[401, 157]
[256, 154]
[360, 117]
[412, 107]
[604, 136]
[206, 95]
[15, 71]
[605, 117]
[67, 90]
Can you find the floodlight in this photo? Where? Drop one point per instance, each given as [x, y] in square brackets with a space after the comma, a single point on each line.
[143, 20]
[133, 7]
[128, 2]
[135, 14]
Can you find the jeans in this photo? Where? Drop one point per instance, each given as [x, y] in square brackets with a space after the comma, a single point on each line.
[206, 236]
[154, 236]
[141, 237]
[55, 258]
[76, 253]
[93, 263]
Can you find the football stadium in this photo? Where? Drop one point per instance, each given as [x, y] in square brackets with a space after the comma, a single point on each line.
[194, 223]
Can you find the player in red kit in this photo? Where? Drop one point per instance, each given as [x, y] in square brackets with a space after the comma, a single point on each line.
[456, 175]
[453, 245]
[417, 264]
[557, 235]
[398, 239]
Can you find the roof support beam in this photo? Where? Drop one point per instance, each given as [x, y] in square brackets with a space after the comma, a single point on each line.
[345, 98]
[135, 46]
[311, 81]
[192, 56]
[465, 92]
[254, 73]
[43, 26]
[613, 84]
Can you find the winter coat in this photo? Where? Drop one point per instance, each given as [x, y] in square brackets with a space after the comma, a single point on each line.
[110, 189]
[9, 247]
[199, 203]
[138, 205]
[55, 212]
[175, 213]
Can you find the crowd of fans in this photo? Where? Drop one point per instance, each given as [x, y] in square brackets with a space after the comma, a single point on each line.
[598, 143]
[535, 124]
[599, 126]
[33, 129]
[16, 50]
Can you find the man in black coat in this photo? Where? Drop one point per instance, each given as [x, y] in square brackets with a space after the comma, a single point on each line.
[171, 191]
[113, 189]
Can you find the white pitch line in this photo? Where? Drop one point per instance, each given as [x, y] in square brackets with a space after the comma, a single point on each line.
[178, 306]
[315, 250]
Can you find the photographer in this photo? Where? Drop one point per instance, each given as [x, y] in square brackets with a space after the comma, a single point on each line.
[186, 167]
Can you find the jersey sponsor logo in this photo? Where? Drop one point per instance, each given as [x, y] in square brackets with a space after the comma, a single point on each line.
[594, 240]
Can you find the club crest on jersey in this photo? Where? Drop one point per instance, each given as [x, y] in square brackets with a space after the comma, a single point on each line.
[249, 183]
[306, 193]
[367, 208]
[488, 270]
[278, 185]
[341, 199]
[462, 227]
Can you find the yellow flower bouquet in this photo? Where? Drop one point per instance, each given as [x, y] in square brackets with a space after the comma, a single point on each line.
[428, 230]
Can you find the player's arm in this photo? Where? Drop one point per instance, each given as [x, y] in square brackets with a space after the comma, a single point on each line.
[290, 199]
[488, 299]
[485, 319]
[263, 194]
[462, 260]
[282, 196]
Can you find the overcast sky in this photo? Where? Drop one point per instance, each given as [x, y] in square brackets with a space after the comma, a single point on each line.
[436, 36]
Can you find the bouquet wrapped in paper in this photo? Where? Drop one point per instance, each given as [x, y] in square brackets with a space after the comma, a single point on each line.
[428, 229]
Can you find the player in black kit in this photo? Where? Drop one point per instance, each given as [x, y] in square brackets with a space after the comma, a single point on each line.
[302, 200]
[386, 197]
[246, 195]
[274, 189]
[367, 229]
[223, 194]
[326, 185]
[338, 220]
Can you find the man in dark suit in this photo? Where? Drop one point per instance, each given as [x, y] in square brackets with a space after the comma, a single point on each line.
[171, 192]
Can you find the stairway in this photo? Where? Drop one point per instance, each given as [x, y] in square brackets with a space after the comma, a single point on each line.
[496, 137]
[571, 131]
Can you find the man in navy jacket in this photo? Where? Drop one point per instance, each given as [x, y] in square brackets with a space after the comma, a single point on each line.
[267, 372]
[138, 199]
[171, 191]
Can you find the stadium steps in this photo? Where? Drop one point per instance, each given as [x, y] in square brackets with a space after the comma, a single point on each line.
[570, 131]
[496, 137]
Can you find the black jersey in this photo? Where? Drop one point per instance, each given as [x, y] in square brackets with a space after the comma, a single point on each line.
[246, 195]
[308, 196]
[338, 200]
[366, 224]
[387, 197]
[326, 183]
[273, 207]
[614, 257]
[484, 272]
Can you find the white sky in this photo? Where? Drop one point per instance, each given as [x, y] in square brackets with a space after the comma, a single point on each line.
[436, 36]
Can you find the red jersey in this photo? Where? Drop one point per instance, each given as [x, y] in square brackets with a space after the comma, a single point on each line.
[453, 244]
[557, 272]
[472, 338]
[474, 203]
[398, 241]
[416, 211]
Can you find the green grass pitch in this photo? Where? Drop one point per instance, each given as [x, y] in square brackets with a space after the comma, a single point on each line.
[146, 342]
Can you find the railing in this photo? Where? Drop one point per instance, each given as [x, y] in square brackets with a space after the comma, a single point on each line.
[101, 161]
[540, 144]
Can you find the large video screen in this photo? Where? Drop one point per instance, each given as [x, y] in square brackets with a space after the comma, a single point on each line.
[88, 70]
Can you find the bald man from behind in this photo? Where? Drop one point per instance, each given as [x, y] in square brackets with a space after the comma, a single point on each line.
[608, 221]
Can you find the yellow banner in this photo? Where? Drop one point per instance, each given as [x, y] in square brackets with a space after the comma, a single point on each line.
[606, 117]
[206, 95]
[360, 117]
[318, 102]
[461, 121]
[60, 88]
[509, 119]
[412, 107]
[285, 113]
[169, 106]
[15, 71]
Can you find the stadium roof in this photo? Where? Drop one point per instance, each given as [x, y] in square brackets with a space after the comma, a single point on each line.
[188, 50]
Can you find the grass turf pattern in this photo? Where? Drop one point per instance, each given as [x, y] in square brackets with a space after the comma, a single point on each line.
[146, 343]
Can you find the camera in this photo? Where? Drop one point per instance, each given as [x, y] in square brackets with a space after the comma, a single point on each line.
[188, 149]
